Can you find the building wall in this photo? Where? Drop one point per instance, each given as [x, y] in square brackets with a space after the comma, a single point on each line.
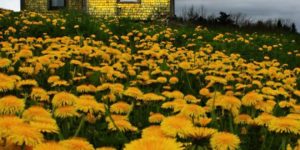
[111, 8]
[43, 5]
[143, 10]
[36, 5]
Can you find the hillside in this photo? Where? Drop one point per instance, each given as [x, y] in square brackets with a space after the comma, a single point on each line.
[71, 81]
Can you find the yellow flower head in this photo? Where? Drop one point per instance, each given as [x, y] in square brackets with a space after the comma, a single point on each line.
[120, 107]
[154, 144]
[243, 119]
[26, 83]
[200, 132]
[173, 80]
[6, 123]
[25, 134]
[50, 146]
[39, 94]
[205, 92]
[34, 113]
[6, 83]
[224, 141]
[192, 110]
[63, 99]
[151, 97]
[251, 98]
[4, 62]
[153, 131]
[264, 119]
[176, 125]
[77, 143]
[191, 99]
[65, 112]
[284, 125]
[11, 105]
[121, 125]
[133, 92]
[156, 117]
[87, 105]
[86, 88]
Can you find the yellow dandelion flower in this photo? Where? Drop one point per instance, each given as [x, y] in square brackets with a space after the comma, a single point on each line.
[26, 70]
[6, 83]
[4, 62]
[229, 103]
[224, 141]
[6, 123]
[151, 97]
[263, 119]
[173, 80]
[116, 88]
[156, 117]
[45, 127]
[171, 126]
[294, 116]
[200, 133]
[39, 94]
[176, 105]
[35, 112]
[162, 80]
[202, 121]
[103, 87]
[50, 146]
[192, 110]
[133, 92]
[216, 79]
[252, 98]
[191, 99]
[63, 99]
[154, 144]
[26, 83]
[185, 65]
[25, 134]
[86, 88]
[122, 125]
[297, 92]
[77, 143]
[205, 92]
[120, 107]
[87, 105]
[60, 83]
[266, 106]
[11, 105]
[53, 79]
[243, 119]
[106, 148]
[296, 109]
[284, 125]
[153, 131]
[65, 112]
[173, 94]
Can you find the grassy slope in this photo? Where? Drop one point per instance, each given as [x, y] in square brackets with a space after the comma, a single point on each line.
[89, 25]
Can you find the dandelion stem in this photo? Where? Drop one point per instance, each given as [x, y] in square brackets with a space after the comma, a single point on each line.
[80, 126]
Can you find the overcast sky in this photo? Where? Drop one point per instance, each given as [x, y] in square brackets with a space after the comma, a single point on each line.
[256, 9]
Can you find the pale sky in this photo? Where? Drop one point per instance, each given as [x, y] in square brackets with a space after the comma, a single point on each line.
[256, 9]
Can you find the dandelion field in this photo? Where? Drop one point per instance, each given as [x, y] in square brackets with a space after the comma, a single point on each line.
[73, 82]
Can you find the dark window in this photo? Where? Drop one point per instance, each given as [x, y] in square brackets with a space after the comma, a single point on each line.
[57, 4]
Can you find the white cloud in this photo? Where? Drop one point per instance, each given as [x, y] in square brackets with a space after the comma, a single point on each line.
[10, 4]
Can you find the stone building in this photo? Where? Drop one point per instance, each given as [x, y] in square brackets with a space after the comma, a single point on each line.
[137, 9]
